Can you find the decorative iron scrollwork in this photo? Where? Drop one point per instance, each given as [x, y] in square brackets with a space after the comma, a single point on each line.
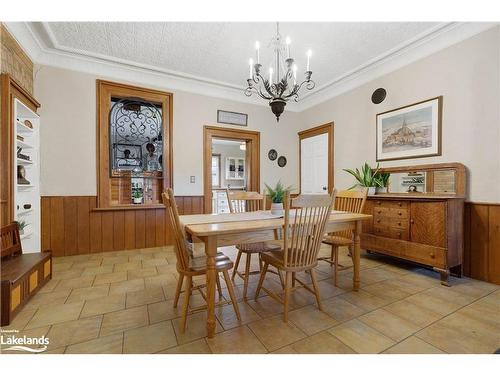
[134, 124]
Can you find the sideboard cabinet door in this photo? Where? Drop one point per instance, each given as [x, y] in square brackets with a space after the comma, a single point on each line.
[428, 223]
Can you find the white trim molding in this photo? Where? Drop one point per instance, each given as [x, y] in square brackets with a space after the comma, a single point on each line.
[40, 44]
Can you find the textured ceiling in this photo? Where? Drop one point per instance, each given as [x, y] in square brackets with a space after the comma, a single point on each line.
[220, 51]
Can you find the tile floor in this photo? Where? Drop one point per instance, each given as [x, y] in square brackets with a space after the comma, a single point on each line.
[121, 302]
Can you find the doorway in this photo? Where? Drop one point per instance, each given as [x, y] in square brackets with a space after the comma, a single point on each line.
[231, 159]
[316, 160]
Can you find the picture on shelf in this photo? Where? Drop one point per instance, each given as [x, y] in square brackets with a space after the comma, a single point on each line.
[21, 176]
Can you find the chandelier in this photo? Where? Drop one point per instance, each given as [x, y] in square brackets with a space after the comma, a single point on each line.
[283, 86]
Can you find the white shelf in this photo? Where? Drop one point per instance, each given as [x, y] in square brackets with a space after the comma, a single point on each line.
[24, 161]
[21, 186]
[21, 128]
[27, 234]
[25, 212]
[23, 144]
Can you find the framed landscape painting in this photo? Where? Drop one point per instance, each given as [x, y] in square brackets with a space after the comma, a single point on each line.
[413, 131]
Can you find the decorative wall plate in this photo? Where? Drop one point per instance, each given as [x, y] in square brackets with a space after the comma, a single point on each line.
[378, 95]
[281, 161]
[272, 154]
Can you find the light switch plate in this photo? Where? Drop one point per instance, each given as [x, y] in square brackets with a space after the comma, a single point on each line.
[191, 179]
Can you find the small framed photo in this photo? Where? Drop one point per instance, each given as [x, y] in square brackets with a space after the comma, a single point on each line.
[232, 118]
[412, 131]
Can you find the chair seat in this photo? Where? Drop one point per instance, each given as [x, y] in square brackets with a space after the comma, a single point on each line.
[276, 258]
[337, 240]
[199, 264]
[258, 247]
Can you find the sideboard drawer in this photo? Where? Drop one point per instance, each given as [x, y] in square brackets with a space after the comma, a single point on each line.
[390, 212]
[426, 254]
[390, 204]
[397, 223]
[388, 231]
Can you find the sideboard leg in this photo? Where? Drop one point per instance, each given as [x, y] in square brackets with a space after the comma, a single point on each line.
[444, 274]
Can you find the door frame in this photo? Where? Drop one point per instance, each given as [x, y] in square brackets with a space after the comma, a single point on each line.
[252, 139]
[327, 128]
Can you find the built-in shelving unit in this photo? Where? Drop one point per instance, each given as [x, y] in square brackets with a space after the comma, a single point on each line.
[235, 168]
[28, 193]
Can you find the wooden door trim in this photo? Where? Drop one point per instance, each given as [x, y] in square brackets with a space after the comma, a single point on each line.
[105, 90]
[327, 128]
[252, 138]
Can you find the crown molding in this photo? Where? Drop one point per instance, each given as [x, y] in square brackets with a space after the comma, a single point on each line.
[441, 37]
[40, 44]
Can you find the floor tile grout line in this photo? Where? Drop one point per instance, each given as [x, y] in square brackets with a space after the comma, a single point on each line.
[451, 313]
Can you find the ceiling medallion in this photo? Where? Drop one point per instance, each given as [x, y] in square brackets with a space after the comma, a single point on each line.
[283, 86]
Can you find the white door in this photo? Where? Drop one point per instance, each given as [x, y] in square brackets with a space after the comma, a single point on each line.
[314, 164]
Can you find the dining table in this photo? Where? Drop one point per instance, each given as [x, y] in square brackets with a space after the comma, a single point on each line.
[218, 230]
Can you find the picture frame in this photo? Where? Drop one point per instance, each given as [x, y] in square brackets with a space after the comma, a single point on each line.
[232, 118]
[409, 132]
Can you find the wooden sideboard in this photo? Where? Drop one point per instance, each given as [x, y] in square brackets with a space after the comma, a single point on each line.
[425, 227]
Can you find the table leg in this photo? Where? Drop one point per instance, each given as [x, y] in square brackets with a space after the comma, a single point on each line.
[356, 256]
[211, 252]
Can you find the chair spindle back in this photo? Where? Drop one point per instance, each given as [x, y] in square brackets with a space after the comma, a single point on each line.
[351, 201]
[305, 227]
[245, 201]
[183, 252]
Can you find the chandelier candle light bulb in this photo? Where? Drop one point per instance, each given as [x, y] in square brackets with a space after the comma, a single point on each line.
[270, 76]
[250, 74]
[294, 74]
[257, 48]
[309, 53]
[288, 41]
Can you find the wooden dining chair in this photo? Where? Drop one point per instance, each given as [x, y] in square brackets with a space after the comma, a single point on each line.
[350, 201]
[247, 201]
[302, 235]
[189, 266]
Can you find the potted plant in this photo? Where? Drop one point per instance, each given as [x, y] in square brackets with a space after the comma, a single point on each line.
[277, 195]
[382, 181]
[367, 177]
[21, 224]
[137, 196]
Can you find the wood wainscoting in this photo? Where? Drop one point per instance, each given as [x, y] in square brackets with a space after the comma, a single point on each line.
[482, 241]
[72, 225]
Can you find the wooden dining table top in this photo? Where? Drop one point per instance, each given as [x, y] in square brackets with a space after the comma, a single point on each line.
[199, 227]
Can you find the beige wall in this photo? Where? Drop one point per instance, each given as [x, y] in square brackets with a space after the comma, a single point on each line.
[467, 75]
[68, 134]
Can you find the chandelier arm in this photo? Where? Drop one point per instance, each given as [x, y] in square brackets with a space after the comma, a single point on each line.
[249, 91]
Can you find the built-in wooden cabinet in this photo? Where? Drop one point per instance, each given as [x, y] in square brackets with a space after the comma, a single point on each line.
[425, 228]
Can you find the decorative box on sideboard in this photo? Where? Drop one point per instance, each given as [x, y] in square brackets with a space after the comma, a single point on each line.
[423, 224]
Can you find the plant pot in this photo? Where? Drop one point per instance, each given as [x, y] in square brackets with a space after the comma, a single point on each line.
[372, 190]
[277, 209]
[379, 190]
[137, 200]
